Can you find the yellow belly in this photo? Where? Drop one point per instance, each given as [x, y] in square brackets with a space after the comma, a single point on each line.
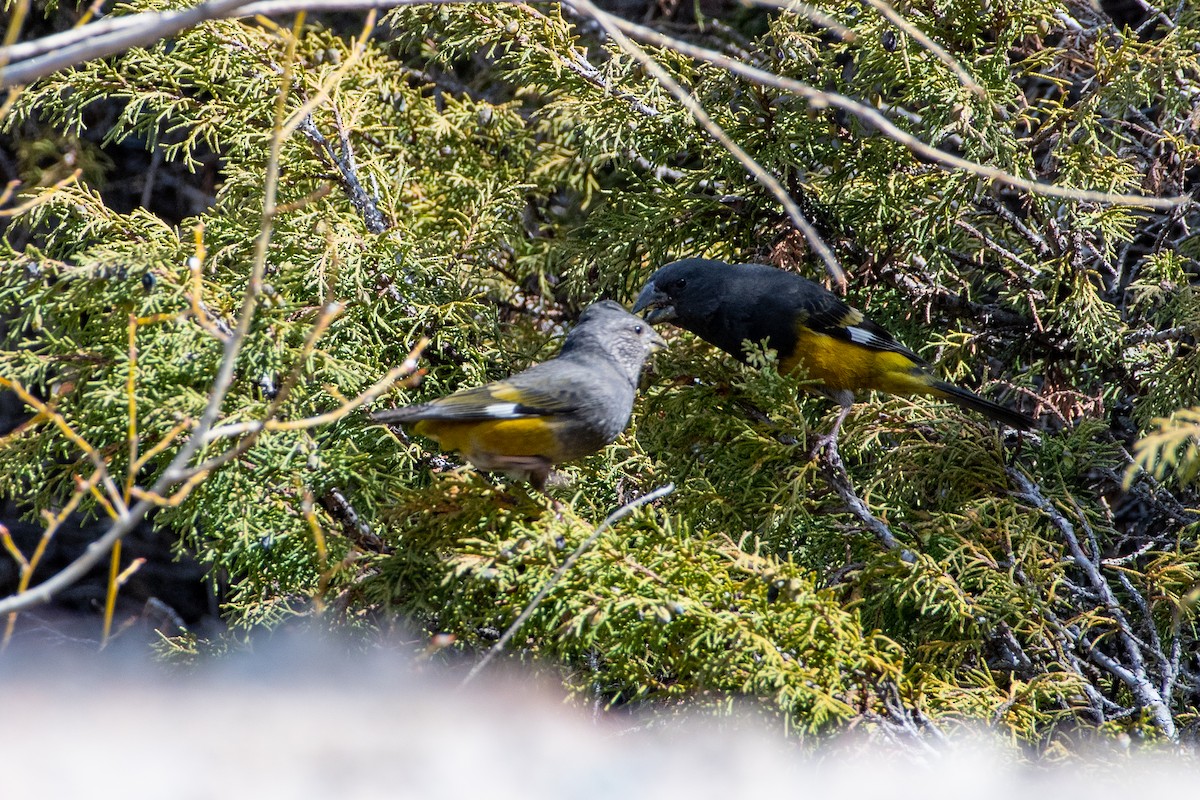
[842, 365]
[529, 436]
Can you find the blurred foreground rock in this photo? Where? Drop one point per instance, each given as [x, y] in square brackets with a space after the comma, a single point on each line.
[302, 718]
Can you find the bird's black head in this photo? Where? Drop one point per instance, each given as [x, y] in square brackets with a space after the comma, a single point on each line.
[683, 290]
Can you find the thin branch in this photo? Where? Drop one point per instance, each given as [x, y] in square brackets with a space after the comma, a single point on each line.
[328, 313]
[929, 44]
[870, 116]
[991, 244]
[1134, 676]
[131, 402]
[177, 468]
[29, 565]
[224, 379]
[26, 397]
[285, 129]
[908, 720]
[360, 198]
[1036, 240]
[608, 522]
[110, 594]
[1155, 648]
[812, 14]
[72, 48]
[1138, 337]
[218, 328]
[18, 11]
[614, 26]
[584, 68]
[150, 28]
[1065, 649]
[43, 195]
[103, 38]
[834, 470]
[354, 526]
[406, 368]
[160, 23]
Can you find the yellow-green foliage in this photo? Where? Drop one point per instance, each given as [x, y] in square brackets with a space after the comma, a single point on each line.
[652, 609]
[1174, 446]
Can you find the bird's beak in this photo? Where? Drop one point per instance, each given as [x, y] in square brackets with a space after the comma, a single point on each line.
[661, 308]
[657, 342]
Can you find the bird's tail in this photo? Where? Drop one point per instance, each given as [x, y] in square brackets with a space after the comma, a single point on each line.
[968, 399]
[403, 414]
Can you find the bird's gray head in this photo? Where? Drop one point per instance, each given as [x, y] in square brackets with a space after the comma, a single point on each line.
[609, 327]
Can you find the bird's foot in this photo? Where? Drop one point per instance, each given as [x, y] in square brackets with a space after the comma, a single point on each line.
[827, 442]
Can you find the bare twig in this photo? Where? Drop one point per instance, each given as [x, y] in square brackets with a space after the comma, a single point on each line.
[906, 719]
[836, 476]
[1135, 675]
[17, 13]
[150, 28]
[367, 396]
[821, 99]
[1029, 270]
[347, 172]
[355, 527]
[608, 522]
[1036, 240]
[114, 497]
[43, 196]
[1062, 647]
[812, 14]
[177, 469]
[614, 27]
[1138, 337]
[330, 310]
[585, 69]
[1155, 647]
[116, 34]
[929, 44]
[834, 469]
[54, 522]
[159, 25]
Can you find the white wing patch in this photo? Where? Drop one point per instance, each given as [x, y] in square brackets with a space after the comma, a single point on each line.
[503, 411]
[863, 336]
[876, 341]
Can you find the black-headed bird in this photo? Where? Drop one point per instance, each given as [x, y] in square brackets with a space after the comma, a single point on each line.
[805, 324]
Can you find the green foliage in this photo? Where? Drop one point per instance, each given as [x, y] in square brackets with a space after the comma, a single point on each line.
[1173, 447]
[523, 169]
[653, 609]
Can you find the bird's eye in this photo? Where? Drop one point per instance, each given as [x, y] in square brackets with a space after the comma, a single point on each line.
[679, 284]
[638, 329]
